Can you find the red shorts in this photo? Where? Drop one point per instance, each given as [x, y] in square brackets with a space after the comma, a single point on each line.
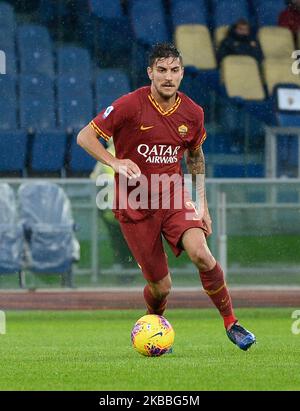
[144, 238]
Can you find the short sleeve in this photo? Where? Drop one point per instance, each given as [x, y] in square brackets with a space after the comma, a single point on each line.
[200, 134]
[110, 119]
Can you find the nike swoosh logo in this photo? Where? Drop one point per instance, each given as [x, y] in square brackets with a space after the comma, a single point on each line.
[144, 128]
[160, 333]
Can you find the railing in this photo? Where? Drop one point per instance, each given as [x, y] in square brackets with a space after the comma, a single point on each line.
[259, 210]
[272, 152]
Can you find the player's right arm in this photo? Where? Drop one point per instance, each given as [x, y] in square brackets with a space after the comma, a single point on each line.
[106, 124]
[88, 139]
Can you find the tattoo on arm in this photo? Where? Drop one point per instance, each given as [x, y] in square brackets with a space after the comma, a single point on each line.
[196, 162]
[196, 166]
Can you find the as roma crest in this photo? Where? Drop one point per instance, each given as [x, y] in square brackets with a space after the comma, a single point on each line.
[183, 130]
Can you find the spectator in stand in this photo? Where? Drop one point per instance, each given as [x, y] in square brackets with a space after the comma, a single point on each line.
[240, 40]
[290, 17]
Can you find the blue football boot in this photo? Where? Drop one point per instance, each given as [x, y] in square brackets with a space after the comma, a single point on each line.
[241, 337]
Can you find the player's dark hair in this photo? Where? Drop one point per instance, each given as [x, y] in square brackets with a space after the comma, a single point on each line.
[163, 51]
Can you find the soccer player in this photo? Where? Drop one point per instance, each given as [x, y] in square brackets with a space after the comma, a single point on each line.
[152, 129]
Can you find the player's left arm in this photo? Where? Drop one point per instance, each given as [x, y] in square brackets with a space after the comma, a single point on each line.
[196, 166]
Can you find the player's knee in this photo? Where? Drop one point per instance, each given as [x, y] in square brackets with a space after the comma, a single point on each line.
[202, 258]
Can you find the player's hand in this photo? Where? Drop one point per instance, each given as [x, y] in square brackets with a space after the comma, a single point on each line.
[126, 167]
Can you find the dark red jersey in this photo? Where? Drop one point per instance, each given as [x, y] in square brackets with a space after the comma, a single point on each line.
[149, 136]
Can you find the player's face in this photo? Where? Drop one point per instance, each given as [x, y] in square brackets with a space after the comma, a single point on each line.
[166, 75]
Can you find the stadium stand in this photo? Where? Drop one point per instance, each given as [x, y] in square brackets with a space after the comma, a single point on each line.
[149, 26]
[109, 85]
[74, 82]
[72, 60]
[8, 103]
[7, 18]
[267, 11]
[219, 34]
[188, 12]
[278, 71]
[37, 104]
[11, 233]
[195, 44]
[79, 162]
[276, 42]
[35, 50]
[11, 63]
[74, 110]
[49, 151]
[7, 40]
[46, 215]
[226, 13]
[112, 32]
[241, 78]
[238, 170]
[13, 150]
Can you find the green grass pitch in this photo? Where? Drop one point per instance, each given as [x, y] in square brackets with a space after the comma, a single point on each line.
[91, 350]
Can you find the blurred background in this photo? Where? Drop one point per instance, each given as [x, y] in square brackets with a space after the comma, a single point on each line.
[66, 60]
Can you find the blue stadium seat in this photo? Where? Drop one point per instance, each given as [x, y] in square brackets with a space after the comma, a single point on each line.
[13, 150]
[8, 103]
[223, 143]
[7, 17]
[110, 84]
[11, 233]
[267, 11]
[231, 115]
[35, 50]
[74, 109]
[106, 9]
[36, 85]
[45, 211]
[287, 155]
[112, 33]
[228, 12]
[239, 171]
[149, 25]
[52, 10]
[73, 60]
[188, 12]
[255, 171]
[80, 162]
[288, 120]
[11, 63]
[48, 151]
[37, 108]
[33, 35]
[7, 41]
[197, 86]
[35, 60]
[229, 171]
[74, 113]
[73, 85]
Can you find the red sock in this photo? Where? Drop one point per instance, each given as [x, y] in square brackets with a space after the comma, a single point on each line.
[154, 306]
[215, 287]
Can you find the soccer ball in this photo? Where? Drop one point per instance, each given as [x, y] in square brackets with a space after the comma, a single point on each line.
[152, 335]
